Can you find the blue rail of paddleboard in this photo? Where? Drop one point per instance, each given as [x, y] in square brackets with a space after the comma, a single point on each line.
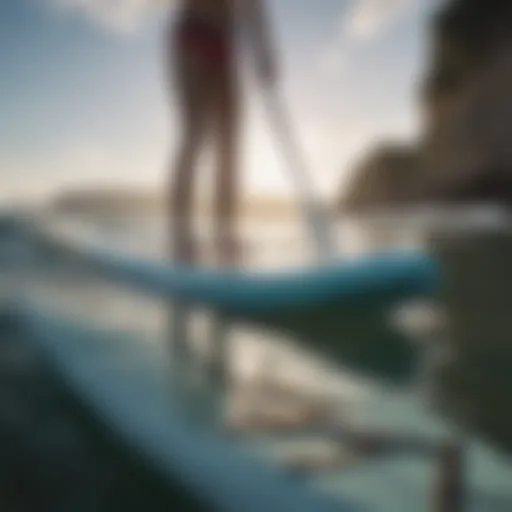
[339, 311]
[379, 279]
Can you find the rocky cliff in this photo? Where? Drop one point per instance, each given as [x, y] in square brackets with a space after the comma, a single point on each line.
[464, 153]
[384, 173]
[465, 150]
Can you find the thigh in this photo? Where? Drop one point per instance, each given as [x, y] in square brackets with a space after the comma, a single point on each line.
[226, 105]
[192, 91]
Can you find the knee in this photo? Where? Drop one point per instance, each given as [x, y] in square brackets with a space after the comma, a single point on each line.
[186, 157]
[181, 182]
[189, 148]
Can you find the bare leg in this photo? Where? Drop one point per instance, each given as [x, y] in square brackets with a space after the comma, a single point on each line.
[227, 172]
[194, 101]
[182, 198]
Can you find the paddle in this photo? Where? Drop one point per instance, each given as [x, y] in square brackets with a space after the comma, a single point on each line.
[316, 214]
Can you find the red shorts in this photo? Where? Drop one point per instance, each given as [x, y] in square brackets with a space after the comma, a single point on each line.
[206, 42]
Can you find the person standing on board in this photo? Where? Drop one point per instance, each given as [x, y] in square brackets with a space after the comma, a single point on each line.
[205, 69]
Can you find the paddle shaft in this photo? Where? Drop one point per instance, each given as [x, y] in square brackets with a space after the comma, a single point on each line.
[449, 490]
[317, 216]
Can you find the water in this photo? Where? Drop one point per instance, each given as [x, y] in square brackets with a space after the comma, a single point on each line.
[398, 483]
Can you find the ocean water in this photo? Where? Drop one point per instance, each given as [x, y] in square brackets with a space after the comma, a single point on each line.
[389, 483]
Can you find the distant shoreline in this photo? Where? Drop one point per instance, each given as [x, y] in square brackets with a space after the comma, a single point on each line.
[132, 202]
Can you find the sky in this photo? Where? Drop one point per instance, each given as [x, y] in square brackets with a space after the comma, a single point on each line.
[84, 98]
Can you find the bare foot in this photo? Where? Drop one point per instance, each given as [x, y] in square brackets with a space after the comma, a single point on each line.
[230, 252]
[184, 250]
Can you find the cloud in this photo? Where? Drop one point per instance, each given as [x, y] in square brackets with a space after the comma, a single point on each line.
[123, 16]
[333, 59]
[370, 18]
[365, 21]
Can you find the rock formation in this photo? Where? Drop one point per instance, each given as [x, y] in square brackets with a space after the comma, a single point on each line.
[386, 172]
[464, 152]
